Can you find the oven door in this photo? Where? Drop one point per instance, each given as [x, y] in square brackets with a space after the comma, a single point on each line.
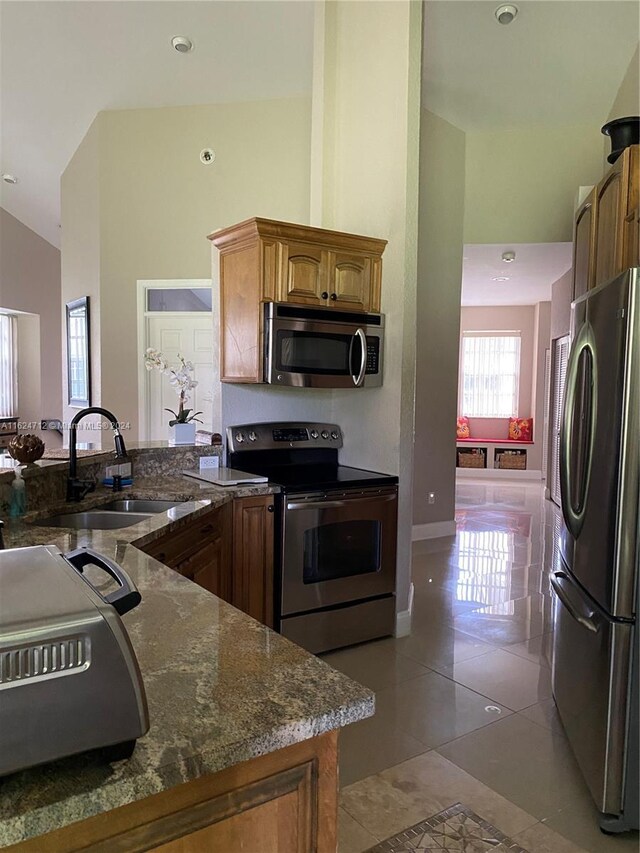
[338, 547]
[319, 353]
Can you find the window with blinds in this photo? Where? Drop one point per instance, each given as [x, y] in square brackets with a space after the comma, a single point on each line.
[489, 374]
[560, 357]
[8, 367]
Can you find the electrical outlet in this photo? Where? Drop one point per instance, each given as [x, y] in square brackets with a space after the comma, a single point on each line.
[209, 462]
[431, 497]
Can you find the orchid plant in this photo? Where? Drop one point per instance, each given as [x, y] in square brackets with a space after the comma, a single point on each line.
[180, 378]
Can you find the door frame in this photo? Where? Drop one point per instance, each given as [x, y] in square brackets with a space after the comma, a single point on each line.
[142, 333]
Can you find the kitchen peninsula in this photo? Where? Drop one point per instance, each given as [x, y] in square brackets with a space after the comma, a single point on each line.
[243, 740]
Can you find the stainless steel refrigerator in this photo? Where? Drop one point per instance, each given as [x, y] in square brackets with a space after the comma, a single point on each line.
[595, 653]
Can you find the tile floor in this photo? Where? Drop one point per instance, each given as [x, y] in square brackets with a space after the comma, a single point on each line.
[464, 707]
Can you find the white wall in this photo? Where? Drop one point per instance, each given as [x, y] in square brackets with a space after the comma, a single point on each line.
[440, 249]
[365, 176]
[30, 282]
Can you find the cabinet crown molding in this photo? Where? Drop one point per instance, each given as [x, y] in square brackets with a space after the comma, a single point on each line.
[242, 232]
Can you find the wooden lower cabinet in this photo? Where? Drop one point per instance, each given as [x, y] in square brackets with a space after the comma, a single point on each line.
[284, 802]
[252, 590]
[200, 550]
[227, 551]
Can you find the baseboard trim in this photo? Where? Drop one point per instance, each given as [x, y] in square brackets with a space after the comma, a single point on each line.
[433, 530]
[403, 618]
[498, 474]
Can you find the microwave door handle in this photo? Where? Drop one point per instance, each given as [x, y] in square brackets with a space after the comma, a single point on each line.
[359, 378]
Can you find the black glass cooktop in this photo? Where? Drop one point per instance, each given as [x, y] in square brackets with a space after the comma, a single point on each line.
[310, 477]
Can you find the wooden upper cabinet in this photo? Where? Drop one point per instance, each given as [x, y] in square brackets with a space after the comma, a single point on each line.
[584, 245]
[631, 241]
[304, 274]
[262, 260]
[612, 195]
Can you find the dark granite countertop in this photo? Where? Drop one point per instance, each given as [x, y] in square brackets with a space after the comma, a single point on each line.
[221, 687]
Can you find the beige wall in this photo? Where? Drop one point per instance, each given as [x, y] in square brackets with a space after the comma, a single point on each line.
[155, 203]
[366, 171]
[29, 376]
[521, 185]
[30, 282]
[561, 294]
[440, 248]
[534, 323]
[627, 100]
[80, 245]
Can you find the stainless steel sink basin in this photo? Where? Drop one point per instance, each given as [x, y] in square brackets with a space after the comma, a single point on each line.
[93, 520]
[138, 506]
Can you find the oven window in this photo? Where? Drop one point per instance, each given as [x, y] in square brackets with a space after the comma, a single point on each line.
[341, 550]
[313, 352]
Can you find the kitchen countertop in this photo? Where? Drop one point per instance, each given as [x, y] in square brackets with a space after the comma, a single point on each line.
[221, 687]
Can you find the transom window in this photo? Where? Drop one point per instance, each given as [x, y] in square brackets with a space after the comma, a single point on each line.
[489, 374]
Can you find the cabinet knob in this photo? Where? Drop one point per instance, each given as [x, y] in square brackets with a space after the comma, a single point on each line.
[324, 294]
[270, 508]
[333, 297]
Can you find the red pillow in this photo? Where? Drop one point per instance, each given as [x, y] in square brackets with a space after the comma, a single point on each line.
[521, 429]
[462, 428]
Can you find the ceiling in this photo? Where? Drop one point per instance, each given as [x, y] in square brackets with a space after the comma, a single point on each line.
[62, 62]
[557, 63]
[531, 274]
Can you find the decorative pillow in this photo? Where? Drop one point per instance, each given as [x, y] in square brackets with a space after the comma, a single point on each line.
[521, 429]
[462, 428]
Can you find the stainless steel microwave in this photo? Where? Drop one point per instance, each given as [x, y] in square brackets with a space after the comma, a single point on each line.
[322, 347]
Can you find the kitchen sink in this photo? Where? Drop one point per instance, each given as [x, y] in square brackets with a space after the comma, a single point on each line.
[94, 520]
[138, 506]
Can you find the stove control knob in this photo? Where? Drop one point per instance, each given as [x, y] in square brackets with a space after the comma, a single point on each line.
[239, 437]
[335, 435]
[314, 433]
[324, 434]
[252, 436]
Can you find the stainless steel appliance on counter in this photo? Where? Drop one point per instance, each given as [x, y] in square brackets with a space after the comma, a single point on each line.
[69, 678]
[322, 347]
[595, 656]
[336, 531]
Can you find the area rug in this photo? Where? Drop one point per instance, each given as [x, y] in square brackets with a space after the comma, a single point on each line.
[456, 828]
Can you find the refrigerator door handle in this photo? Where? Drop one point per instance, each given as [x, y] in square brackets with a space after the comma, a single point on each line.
[576, 606]
[574, 515]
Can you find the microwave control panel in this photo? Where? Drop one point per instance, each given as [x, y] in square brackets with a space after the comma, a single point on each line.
[373, 355]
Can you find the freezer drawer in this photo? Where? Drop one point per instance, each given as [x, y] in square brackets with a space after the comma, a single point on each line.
[590, 676]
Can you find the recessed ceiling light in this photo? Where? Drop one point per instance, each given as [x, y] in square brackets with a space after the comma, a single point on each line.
[500, 278]
[505, 14]
[9, 179]
[182, 44]
[508, 257]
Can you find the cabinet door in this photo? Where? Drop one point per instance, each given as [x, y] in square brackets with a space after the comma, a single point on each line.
[584, 245]
[252, 585]
[632, 219]
[304, 274]
[350, 281]
[611, 211]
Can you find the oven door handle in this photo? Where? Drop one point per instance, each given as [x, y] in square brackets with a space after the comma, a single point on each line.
[358, 378]
[337, 504]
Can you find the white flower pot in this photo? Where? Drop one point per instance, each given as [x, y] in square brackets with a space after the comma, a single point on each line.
[182, 434]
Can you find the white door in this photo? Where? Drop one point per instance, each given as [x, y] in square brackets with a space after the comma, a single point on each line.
[190, 336]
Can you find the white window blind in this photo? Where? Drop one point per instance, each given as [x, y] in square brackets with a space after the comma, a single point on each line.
[490, 372]
[8, 367]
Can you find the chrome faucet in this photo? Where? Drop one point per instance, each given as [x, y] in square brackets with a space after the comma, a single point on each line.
[77, 489]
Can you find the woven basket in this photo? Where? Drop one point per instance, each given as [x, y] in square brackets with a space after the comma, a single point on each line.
[470, 460]
[514, 461]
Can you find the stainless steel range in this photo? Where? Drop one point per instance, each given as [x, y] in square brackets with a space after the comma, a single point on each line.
[336, 531]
